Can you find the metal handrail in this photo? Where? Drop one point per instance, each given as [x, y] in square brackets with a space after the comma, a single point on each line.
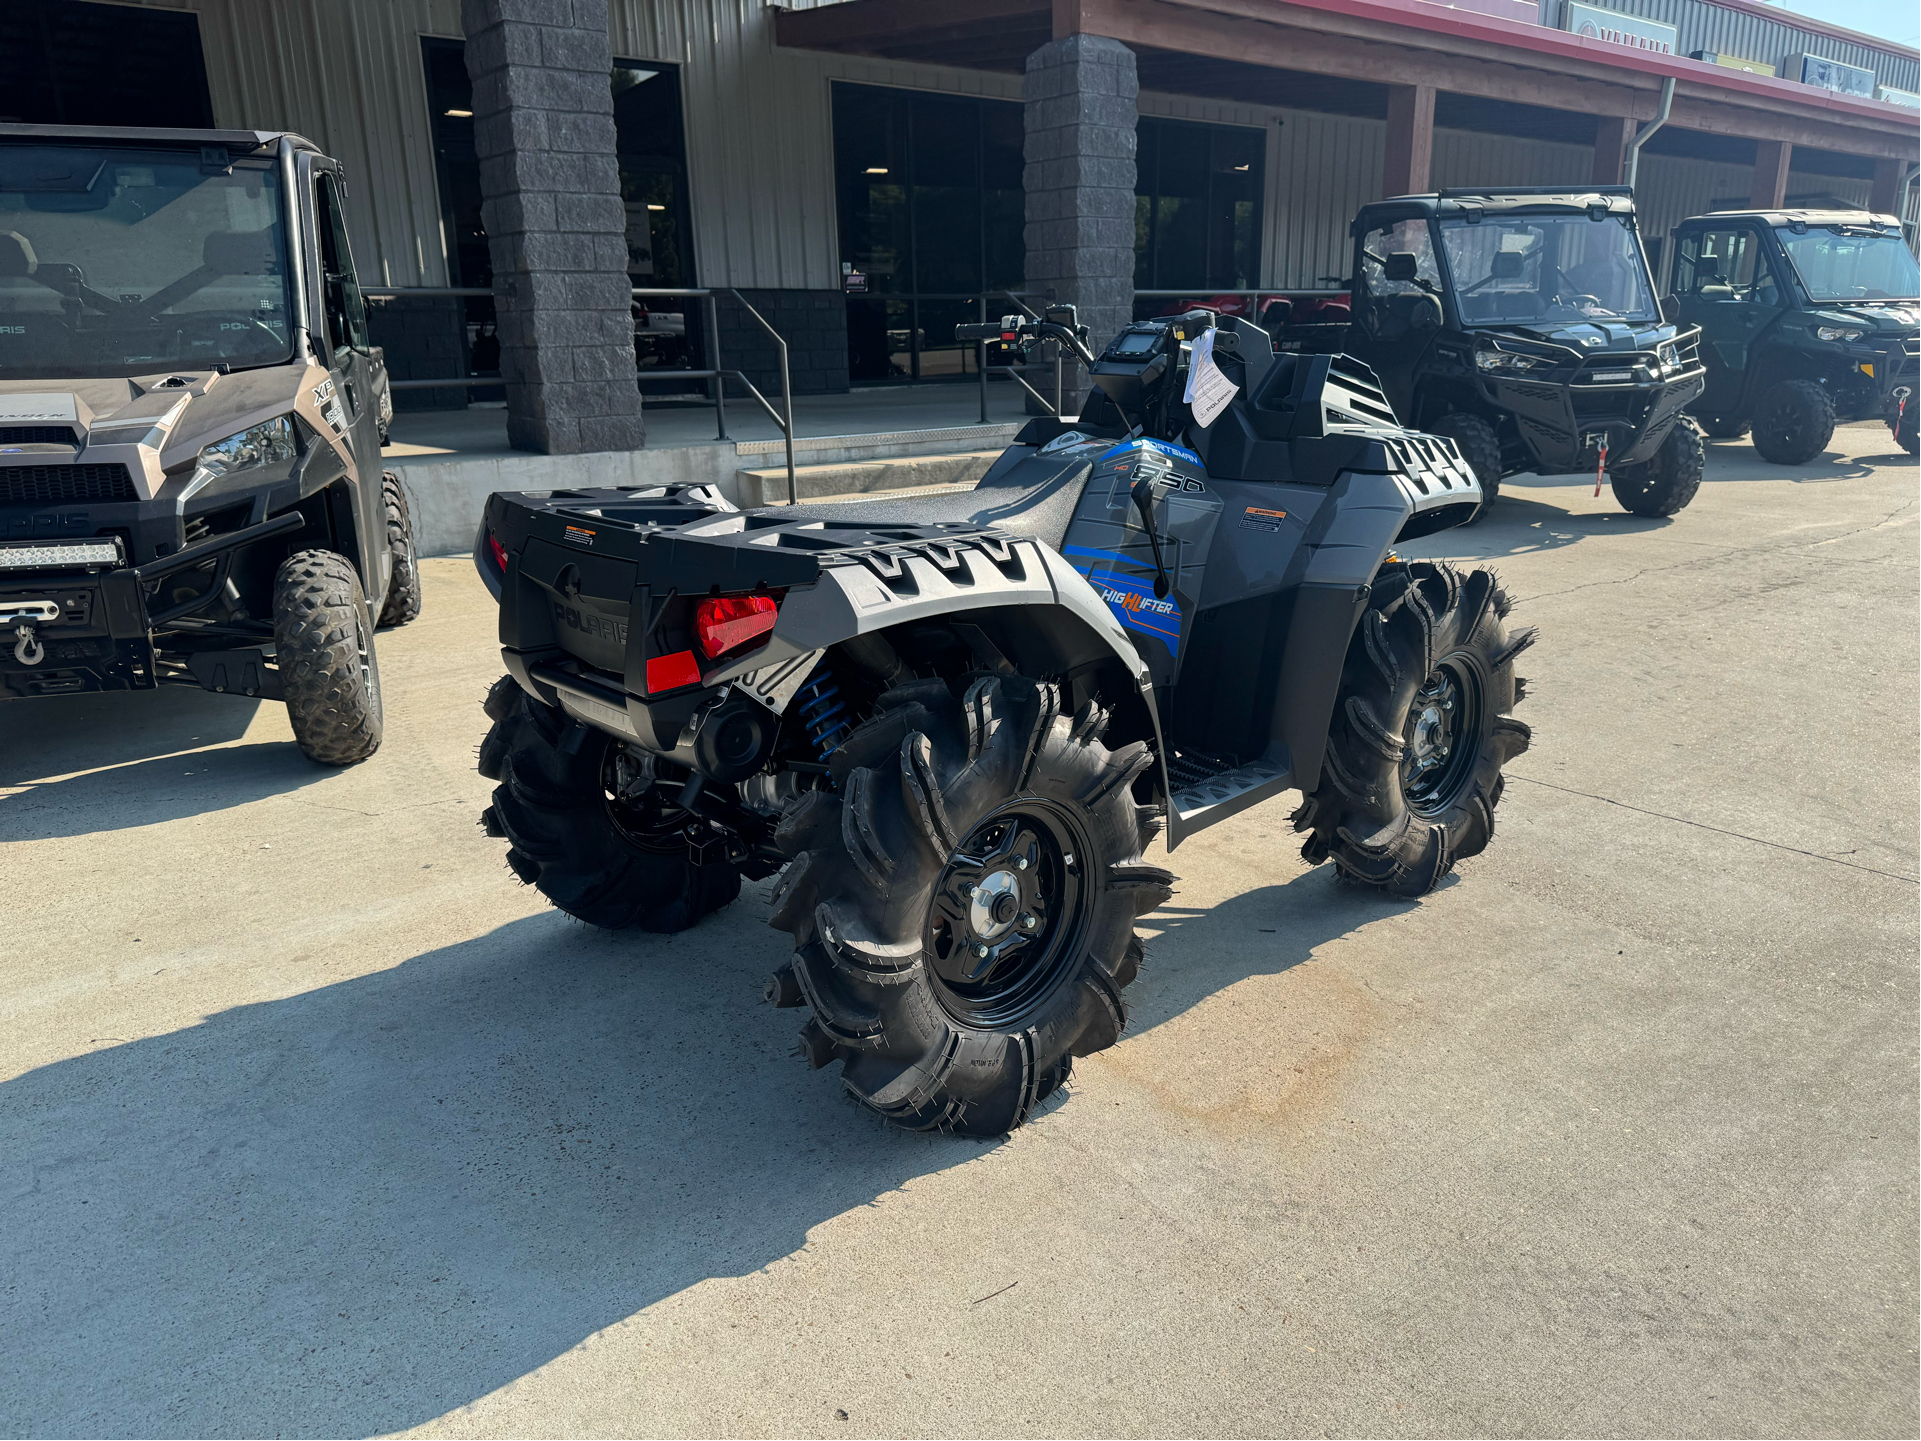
[717, 373]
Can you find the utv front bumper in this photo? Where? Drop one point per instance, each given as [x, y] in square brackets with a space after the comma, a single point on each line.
[1565, 424]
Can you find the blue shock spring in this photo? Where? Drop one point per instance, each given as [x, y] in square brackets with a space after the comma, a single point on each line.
[822, 713]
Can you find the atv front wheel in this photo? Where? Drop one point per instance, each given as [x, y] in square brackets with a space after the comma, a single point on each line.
[324, 650]
[1667, 480]
[606, 852]
[963, 909]
[1480, 448]
[1793, 423]
[403, 589]
[1420, 732]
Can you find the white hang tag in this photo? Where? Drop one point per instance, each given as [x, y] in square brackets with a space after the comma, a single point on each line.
[1208, 388]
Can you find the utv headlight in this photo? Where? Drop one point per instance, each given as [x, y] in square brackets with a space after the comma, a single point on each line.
[1510, 362]
[1835, 332]
[264, 444]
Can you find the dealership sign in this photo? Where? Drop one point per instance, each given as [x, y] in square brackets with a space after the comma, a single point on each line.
[1611, 27]
[1826, 74]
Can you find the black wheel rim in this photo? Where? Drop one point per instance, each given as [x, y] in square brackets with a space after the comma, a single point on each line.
[1007, 915]
[636, 808]
[1442, 738]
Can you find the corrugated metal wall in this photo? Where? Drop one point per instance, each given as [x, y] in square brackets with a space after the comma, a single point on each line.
[1752, 37]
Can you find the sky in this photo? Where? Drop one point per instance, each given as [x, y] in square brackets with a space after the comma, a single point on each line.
[1887, 19]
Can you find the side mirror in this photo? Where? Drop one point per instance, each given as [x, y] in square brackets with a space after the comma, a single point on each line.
[1670, 308]
[1402, 265]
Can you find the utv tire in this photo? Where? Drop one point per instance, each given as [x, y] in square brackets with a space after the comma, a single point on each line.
[1723, 427]
[1480, 448]
[403, 590]
[324, 650]
[1903, 427]
[601, 862]
[1420, 732]
[993, 823]
[1667, 480]
[1793, 423]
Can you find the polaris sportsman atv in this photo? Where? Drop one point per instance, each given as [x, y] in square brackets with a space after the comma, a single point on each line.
[955, 722]
[190, 429]
[1521, 324]
[1809, 317]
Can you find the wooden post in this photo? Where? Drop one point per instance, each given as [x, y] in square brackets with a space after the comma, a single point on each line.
[1769, 188]
[1410, 139]
[1611, 136]
[1881, 191]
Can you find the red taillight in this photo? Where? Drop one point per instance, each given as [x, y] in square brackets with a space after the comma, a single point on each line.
[499, 550]
[671, 672]
[728, 622]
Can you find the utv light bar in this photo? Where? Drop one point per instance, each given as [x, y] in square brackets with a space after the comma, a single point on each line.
[59, 555]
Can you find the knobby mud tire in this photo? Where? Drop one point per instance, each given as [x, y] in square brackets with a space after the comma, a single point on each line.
[1903, 428]
[1480, 448]
[1423, 619]
[1667, 480]
[922, 777]
[324, 650]
[551, 808]
[403, 586]
[1793, 423]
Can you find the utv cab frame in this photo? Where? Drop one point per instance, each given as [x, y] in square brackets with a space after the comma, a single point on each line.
[1808, 318]
[190, 426]
[1522, 324]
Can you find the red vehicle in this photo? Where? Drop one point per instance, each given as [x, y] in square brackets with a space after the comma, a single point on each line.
[1312, 324]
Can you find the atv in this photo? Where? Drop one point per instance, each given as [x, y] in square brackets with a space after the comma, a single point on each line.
[1521, 324]
[190, 429]
[1809, 317]
[953, 724]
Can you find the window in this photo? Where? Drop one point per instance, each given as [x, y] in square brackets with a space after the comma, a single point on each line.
[1546, 267]
[931, 212]
[1724, 265]
[346, 311]
[1197, 206]
[1391, 308]
[1846, 262]
[66, 62]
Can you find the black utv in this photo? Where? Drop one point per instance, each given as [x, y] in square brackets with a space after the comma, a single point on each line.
[190, 429]
[1807, 317]
[1522, 324]
[954, 723]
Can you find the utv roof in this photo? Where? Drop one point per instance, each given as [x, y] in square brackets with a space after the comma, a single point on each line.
[1814, 218]
[1502, 200]
[244, 141]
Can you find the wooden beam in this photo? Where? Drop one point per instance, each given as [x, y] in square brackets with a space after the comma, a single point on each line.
[857, 25]
[1697, 111]
[1769, 188]
[1887, 180]
[1410, 139]
[1612, 134]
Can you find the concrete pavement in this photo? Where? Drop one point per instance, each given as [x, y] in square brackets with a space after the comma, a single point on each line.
[314, 1122]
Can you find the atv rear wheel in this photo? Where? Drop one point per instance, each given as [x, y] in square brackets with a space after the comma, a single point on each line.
[403, 588]
[324, 650]
[1793, 423]
[1723, 427]
[963, 910]
[559, 804]
[1667, 480]
[1421, 730]
[1480, 448]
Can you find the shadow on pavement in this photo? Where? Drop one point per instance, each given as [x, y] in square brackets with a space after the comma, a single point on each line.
[134, 758]
[349, 1211]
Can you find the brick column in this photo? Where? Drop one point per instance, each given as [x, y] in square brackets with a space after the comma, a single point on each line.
[1080, 97]
[1410, 140]
[1770, 185]
[1612, 135]
[556, 229]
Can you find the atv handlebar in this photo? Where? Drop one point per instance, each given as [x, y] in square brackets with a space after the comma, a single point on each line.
[1025, 332]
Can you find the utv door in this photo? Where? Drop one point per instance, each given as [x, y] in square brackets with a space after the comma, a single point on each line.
[356, 377]
[1397, 307]
[1726, 284]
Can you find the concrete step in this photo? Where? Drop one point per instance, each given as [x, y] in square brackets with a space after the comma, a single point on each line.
[854, 479]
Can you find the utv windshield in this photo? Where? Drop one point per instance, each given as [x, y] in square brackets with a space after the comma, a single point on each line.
[1563, 269]
[121, 262]
[1845, 263]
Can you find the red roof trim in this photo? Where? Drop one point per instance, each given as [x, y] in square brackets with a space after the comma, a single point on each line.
[1469, 24]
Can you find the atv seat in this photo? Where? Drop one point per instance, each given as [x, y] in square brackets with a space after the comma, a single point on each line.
[1038, 509]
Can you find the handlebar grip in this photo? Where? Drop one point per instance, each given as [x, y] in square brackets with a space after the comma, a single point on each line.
[984, 330]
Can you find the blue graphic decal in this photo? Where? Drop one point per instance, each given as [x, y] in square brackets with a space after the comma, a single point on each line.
[1130, 598]
[1173, 452]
